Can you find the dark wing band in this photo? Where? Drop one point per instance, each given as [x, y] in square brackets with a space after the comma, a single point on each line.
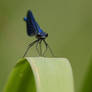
[31, 26]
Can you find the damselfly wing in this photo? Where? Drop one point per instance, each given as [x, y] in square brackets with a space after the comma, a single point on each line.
[31, 25]
[33, 29]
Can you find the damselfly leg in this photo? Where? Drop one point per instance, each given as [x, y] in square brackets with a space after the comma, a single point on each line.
[47, 47]
[29, 46]
[40, 47]
[39, 51]
[37, 48]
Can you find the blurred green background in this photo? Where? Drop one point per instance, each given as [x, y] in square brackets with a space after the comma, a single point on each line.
[69, 24]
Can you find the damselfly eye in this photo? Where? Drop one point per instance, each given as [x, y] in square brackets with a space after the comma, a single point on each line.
[46, 35]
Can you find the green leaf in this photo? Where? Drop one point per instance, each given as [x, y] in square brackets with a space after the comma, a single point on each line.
[87, 84]
[41, 75]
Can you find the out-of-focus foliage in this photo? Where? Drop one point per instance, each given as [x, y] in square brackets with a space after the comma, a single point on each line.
[68, 22]
[21, 78]
[87, 85]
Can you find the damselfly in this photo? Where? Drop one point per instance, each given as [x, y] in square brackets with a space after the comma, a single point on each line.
[33, 29]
